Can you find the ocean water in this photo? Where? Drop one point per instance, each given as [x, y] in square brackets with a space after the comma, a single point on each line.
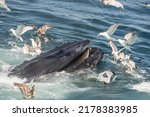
[78, 20]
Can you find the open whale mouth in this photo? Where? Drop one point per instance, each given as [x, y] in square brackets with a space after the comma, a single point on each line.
[69, 56]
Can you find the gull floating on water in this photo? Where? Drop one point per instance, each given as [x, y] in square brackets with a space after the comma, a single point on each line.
[36, 44]
[115, 52]
[20, 30]
[108, 34]
[128, 62]
[26, 49]
[107, 76]
[115, 3]
[129, 39]
[4, 5]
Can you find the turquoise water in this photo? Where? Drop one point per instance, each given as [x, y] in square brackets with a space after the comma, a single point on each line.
[78, 20]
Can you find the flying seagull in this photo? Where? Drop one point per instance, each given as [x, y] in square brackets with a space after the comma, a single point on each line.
[115, 3]
[4, 5]
[116, 54]
[108, 34]
[42, 30]
[20, 30]
[128, 40]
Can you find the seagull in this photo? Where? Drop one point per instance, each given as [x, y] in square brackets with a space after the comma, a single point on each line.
[115, 3]
[20, 30]
[129, 39]
[26, 49]
[28, 92]
[107, 76]
[108, 34]
[147, 4]
[42, 30]
[36, 44]
[131, 65]
[115, 52]
[126, 61]
[4, 5]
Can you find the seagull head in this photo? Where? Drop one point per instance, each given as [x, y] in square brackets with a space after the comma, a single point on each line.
[101, 34]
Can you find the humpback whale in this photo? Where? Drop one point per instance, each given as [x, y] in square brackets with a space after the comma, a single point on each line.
[68, 56]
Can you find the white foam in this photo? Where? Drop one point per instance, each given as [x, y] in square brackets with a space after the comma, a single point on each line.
[4, 79]
[142, 87]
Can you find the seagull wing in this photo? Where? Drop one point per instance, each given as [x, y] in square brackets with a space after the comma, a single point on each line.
[4, 5]
[112, 29]
[121, 50]
[113, 47]
[2, 2]
[116, 4]
[130, 38]
[19, 29]
[26, 28]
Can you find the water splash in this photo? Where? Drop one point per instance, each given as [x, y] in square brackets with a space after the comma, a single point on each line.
[142, 87]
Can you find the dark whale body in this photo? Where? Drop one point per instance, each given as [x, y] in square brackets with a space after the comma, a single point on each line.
[64, 57]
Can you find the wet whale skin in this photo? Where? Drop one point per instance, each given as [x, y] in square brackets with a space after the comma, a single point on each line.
[57, 59]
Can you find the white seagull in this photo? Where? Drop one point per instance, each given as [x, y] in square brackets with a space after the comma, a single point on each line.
[36, 44]
[20, 30]
[107, 76]
[129, 63]
[115, 52]
[128, 40]
[115, 3]
[26, 49]
[147, 4]
[108, 34]
[4, 5]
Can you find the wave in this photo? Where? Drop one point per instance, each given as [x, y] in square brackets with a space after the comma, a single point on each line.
[141, 87]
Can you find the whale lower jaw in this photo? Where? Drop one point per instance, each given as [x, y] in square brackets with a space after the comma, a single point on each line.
[64, 57]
